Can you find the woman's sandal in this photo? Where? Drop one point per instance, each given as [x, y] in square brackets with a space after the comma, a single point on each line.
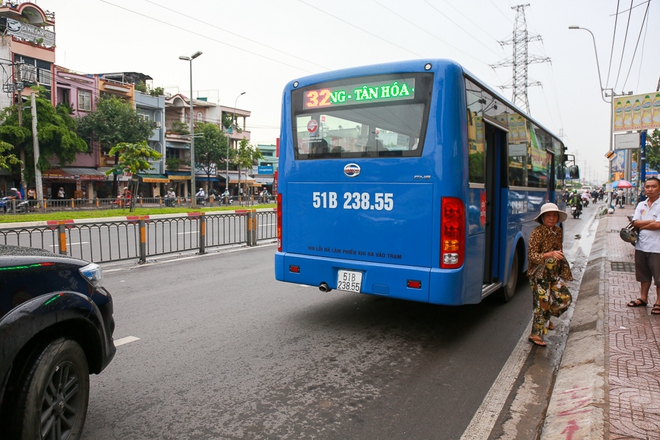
[639, 302]
[551, 326]
[656, 309]
[537, 340]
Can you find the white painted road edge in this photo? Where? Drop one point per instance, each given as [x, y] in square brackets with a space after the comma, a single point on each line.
[484, 419]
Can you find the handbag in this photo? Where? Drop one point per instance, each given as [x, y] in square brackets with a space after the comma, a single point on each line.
[629, 234]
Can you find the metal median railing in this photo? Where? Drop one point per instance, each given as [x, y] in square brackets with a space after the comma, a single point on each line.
[141, 237]
[58, 205]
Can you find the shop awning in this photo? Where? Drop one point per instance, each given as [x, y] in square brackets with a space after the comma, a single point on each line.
[180, 146]
[153, 178]
[85, 173]
[264, 180]
[56, 174]
[178, 175]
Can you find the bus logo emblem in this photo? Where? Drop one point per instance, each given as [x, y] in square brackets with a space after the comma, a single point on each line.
[352, 170]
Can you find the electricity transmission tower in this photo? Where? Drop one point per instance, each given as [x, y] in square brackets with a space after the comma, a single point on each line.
[520, 59]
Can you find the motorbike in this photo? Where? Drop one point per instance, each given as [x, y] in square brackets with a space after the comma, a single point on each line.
[575, 211]
[19, 206]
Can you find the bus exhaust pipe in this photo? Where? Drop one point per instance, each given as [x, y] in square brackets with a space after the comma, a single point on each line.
[323, 287]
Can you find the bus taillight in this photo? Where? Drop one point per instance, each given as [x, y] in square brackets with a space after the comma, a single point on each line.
[279, 222]
[452, 234]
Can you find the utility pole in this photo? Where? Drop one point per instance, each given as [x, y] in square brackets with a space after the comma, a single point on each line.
[520, 59]
[35, 145]
[18, 87]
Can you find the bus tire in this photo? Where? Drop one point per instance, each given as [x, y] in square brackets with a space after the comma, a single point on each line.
[509, 289]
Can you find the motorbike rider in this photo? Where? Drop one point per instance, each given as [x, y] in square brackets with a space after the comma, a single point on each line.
[264, 195]
[200, 196]
[586, 197]
[169, 197]
[7, 203]
[14, 194]
[575, 200]
[225, 197]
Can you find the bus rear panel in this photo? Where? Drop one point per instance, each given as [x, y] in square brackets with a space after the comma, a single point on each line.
[373, 187]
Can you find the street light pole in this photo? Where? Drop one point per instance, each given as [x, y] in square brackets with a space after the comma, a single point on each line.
[192, 130]
[603, 94]
[600, 81]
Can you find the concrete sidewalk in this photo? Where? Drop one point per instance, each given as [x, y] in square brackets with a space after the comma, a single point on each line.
[608, 383]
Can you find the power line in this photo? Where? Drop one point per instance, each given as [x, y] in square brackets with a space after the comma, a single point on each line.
[359, 28]
[623, 48]
[609, 67]
[639, 36]
[204, 36]
[461, 28]
[235, 34]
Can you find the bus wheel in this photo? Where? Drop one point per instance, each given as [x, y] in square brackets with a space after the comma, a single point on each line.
[509, 289]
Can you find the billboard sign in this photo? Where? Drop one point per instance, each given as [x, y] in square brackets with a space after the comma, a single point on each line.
[636, 112]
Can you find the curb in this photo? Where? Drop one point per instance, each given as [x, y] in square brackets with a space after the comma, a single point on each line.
[578, 404]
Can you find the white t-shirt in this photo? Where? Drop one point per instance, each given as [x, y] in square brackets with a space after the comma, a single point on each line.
[649, 241]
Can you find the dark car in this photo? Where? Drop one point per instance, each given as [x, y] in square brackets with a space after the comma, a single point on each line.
[56, 328]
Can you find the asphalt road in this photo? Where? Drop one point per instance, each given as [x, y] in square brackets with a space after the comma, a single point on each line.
[227, 352]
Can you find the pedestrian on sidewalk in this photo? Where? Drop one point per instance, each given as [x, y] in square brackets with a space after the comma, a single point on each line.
[647, 249]
[548, 270]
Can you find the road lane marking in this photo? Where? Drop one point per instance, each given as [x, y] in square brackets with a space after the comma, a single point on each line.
[126, 340]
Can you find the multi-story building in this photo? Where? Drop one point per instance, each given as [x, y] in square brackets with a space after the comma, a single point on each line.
[177, 121]
[27, 53]
[267, 167]
[28, 48]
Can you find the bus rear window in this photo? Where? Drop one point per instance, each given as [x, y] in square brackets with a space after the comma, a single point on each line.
[380, 116]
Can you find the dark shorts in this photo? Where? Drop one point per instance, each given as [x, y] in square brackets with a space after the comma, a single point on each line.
[647, 266]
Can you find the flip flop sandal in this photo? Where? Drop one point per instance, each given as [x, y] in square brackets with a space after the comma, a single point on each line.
[639, 302]
[656, 309]
[537, 340]
[551, 326]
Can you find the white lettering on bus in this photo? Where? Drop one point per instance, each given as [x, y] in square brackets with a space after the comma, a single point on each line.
[354, 201]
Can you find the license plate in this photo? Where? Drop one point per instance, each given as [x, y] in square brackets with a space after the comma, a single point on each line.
[349, 281]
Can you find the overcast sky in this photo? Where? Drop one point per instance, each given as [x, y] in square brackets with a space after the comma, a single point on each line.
[257, 46]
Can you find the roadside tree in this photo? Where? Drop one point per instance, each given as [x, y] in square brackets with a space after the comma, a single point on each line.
[653, 150]
[246, 156]
[114, 121]
[211, 148]
[56, 132]
[133, 158]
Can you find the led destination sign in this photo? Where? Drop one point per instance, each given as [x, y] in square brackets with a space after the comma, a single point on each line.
[378, 91]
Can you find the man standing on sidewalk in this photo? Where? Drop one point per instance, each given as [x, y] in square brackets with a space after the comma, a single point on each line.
[647, 249]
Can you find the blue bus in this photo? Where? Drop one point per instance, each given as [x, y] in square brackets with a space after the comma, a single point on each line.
[409, 180]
